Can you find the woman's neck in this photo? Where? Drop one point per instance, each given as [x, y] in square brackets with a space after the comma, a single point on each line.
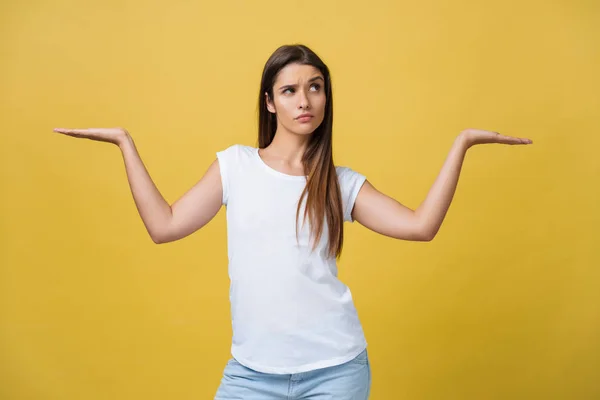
[287, 148]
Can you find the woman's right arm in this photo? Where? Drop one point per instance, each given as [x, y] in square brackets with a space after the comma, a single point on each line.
[189, 213]
[163, 222]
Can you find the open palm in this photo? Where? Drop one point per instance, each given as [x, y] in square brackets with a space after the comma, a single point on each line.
[110, 135]
[480, 136]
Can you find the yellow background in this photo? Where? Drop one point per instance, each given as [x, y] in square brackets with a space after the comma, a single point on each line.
[502, 304]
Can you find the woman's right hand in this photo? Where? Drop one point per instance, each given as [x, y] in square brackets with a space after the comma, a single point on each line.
[110, 135]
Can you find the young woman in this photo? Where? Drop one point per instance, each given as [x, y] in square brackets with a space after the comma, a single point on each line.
[296, 333]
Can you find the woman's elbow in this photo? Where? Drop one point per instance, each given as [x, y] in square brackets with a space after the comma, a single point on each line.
[159, 237]
[428, 235]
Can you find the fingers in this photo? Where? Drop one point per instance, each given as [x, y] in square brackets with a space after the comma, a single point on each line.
[69, 132]
[513, 140]
[66, 130]
[521, 141]
[77, 133]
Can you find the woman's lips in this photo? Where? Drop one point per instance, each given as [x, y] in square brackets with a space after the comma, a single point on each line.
[304, 119]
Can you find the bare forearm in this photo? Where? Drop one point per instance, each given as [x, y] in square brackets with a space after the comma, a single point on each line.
[152, 207]
[435, 206]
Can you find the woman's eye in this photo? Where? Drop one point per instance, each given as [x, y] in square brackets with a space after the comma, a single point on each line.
[291, 90]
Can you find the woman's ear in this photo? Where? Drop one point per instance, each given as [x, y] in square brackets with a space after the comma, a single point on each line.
[269, 103]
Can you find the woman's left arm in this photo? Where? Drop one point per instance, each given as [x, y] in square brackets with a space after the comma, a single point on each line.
[383, 214]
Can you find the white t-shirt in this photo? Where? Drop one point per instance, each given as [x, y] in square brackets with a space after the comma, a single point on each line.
[290, 313]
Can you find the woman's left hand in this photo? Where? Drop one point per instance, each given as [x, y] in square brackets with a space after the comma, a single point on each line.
[479, 136]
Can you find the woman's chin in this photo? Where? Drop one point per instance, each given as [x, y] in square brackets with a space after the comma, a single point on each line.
[304, 133]
[306, 130]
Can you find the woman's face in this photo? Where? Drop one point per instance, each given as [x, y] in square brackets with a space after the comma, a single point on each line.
[298, 90]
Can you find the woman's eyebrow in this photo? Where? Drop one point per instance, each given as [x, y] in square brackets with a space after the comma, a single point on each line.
[310, 80]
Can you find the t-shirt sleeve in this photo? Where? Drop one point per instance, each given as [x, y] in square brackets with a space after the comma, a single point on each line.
[227, 160]
[350, 184]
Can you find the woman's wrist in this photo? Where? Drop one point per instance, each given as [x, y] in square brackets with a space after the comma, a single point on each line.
[464, 140]
[124, 140]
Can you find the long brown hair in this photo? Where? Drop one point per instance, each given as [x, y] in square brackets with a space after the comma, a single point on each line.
[324, 201]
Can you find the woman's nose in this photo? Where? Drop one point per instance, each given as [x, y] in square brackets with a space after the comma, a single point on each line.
[303, 100]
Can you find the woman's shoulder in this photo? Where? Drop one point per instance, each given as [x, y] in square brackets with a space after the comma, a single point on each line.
[348, 176]
[341, 169]
[345, 171]
[239, 146]
[237, 150]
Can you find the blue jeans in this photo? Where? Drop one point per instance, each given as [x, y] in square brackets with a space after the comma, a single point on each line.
[348, 381]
